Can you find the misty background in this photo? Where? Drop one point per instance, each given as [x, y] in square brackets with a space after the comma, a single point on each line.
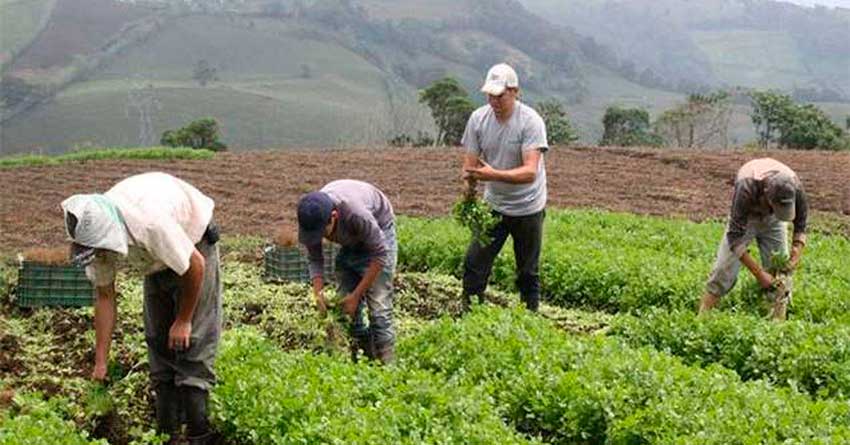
[339, 73]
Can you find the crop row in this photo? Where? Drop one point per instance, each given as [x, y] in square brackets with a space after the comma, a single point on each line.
[621, 262]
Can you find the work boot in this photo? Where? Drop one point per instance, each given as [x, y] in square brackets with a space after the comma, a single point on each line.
[466, 301]
[359, 343]
[168, 408]
[532, 302]
[198, 430]
[386, 353]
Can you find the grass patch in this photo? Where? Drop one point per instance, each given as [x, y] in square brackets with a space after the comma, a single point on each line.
[106, 153]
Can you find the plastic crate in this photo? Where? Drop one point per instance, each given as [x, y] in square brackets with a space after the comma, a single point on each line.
[284, 264]
[51, 285]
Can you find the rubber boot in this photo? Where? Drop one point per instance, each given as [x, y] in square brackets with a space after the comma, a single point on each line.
[466, 301]
[532, 302]
[168, 407]
[358, 344]
[385, 353]
[198, 431]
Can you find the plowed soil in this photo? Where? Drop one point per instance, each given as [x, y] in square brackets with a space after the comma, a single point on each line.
[255, 192]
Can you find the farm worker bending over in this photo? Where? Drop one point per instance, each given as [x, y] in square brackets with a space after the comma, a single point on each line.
[767, 195]
[164, 227]
[505, 141]
[360, 218]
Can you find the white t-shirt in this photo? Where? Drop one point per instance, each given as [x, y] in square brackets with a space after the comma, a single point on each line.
[165, 217]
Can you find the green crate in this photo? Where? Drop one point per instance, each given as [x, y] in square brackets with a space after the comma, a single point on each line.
[283, 264]
[50, 285]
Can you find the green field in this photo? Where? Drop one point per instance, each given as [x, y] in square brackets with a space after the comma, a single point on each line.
[646, 370]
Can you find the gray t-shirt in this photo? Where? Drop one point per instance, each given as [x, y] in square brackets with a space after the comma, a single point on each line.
[502, 146]
[364, 214]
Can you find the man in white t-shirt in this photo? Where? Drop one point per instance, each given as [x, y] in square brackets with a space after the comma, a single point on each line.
[163, 226]
[505, 141]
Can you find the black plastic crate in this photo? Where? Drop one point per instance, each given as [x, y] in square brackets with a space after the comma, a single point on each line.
[53, 285]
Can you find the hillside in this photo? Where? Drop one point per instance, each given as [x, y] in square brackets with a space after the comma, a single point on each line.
[322, 72]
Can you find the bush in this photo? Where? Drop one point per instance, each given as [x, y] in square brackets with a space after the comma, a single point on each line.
[628, 127]
[199, 134]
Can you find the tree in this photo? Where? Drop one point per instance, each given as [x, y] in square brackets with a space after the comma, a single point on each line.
[200, 134]
[204, 73]
[450, 107]
[769, 110]
[807, 127]
[558, 127]
[626, 127]
[801, 126]
[702, 120]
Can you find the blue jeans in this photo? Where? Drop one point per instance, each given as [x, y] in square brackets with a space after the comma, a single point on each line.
[351, 264]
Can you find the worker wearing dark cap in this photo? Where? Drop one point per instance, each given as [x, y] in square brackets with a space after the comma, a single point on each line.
[359, 217]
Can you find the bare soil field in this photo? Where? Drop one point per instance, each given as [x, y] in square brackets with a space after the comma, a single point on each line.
[255, 192]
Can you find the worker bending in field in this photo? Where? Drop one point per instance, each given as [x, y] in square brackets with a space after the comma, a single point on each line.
[767, 195]
[505, 141]
[164, 227]
[359, 217]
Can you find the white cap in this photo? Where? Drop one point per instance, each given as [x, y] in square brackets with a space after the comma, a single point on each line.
[99, 224]
[499, 77]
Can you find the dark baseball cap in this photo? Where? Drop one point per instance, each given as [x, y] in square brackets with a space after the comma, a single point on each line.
[782, 194]
[314, 213]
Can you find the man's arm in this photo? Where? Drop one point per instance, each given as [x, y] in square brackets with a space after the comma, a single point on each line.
[369, 277]
[524, 174]
[190, 284]
[104, 325]
[764, 279]
[800, 227]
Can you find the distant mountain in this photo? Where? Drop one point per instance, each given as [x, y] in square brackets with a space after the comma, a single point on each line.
[283, 73]
[678, 44]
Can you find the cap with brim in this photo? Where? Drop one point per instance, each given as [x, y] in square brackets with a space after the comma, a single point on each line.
[500, 77]
[781, 193]
[785, 210]
[99, 224]
[314, 213]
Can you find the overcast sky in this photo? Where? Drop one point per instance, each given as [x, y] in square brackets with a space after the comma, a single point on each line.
[842, 3]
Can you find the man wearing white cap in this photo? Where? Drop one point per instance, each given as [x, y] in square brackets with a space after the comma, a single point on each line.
[767, 196]
[505, 141]
[163, 226]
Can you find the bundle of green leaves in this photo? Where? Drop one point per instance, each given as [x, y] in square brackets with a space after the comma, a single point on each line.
[476, 215]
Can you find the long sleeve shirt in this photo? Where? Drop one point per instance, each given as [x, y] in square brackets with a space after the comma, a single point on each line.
[749, 201]
[364, 213]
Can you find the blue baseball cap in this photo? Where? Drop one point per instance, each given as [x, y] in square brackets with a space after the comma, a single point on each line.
[314, 213]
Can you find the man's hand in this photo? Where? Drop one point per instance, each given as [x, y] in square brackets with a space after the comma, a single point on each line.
[178, 336]
[99, 372]
[483, 172]
[765, 279]
[349, 304]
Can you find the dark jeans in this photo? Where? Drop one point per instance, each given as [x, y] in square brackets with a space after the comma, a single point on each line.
[527, 234]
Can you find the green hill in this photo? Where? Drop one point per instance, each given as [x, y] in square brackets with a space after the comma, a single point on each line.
[332, 72]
